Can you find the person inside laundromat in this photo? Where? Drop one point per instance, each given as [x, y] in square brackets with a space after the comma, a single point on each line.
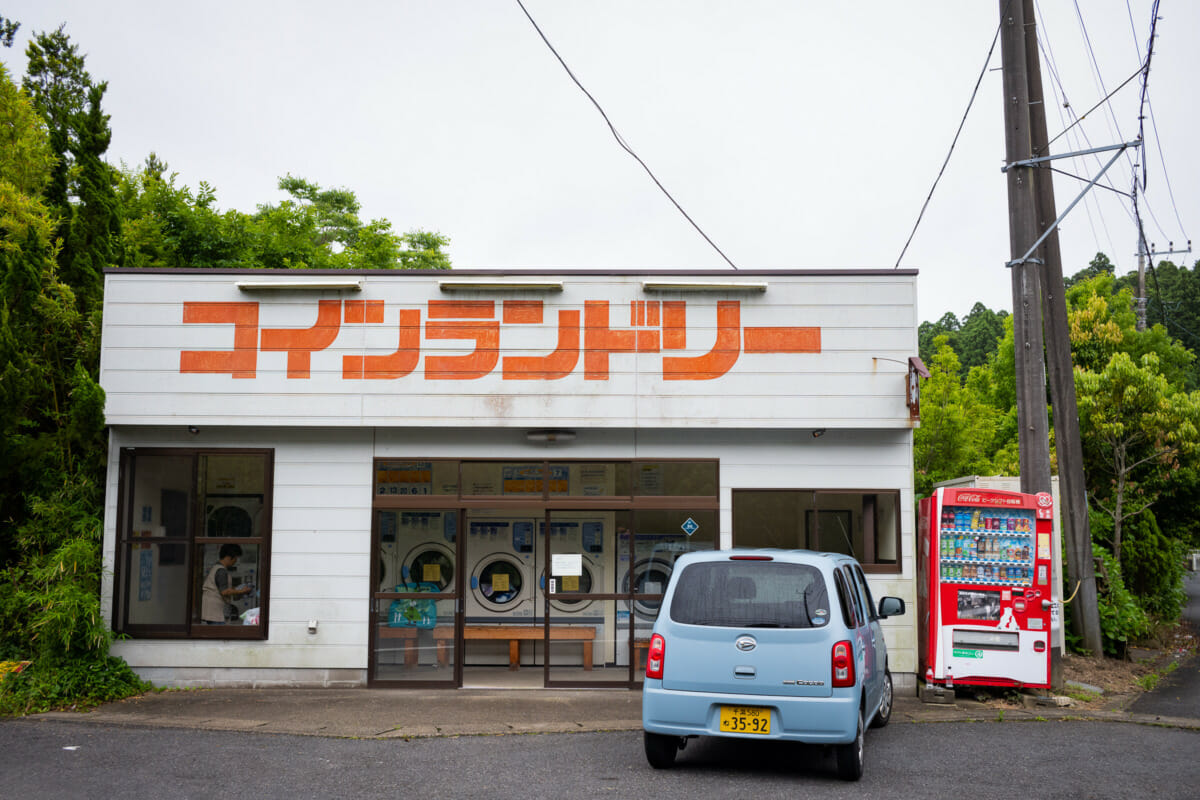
[217, 591]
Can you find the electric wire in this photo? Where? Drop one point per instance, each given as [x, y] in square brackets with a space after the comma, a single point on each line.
[1076, 132]
[1065, 110]
[1087, 39]
[621, 141]
[957, 133]
[1166, 173]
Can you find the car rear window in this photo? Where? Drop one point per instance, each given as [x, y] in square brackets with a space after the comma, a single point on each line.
[751, 594]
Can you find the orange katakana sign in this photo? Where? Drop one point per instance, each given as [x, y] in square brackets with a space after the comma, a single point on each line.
[654, 327]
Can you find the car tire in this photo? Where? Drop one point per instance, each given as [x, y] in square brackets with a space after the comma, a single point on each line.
[884, 714]
[660, 749]
[850, 756]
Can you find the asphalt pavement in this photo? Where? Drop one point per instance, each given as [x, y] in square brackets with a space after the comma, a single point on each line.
[1179, 692]
[409, 713]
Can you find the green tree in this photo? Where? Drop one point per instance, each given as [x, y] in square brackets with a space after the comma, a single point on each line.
[167, 225]
[52, 452]
[957, 428]
[1172, 301]
[981, 332]
[974, 339]
[57, 83]
[1137, 429]
[1100, 265]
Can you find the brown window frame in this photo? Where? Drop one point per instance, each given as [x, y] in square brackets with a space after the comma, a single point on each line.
[124, 570]
[869, 522]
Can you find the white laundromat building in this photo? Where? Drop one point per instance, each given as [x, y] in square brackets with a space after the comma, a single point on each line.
[483, 478]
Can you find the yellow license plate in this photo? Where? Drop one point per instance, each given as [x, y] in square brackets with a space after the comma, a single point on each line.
[745, 719]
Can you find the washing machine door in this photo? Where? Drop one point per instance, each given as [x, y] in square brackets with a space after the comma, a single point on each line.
[588, 582]
[648, 576]
[231, 515]
[431, 564]
[498, 583]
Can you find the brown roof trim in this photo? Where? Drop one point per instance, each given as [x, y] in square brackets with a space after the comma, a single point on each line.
[496, 273]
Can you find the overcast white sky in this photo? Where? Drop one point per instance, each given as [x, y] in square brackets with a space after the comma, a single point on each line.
[797, 134]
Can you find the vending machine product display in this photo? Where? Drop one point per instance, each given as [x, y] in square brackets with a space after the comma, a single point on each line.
[984, 581]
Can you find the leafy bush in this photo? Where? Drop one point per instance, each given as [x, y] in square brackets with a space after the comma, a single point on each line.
[1152, 564]
[1121, 618]
[77, 682]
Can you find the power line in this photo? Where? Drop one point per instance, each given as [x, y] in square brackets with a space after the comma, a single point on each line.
[957, 133]
[617, 136]
[1064, 105]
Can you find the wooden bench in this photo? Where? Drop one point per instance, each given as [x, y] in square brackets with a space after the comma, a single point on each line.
[408, 637]
[443, 635]
[640, 647]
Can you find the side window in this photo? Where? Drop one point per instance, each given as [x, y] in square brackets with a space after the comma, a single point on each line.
[845, 599]
[865, 525]
[193, 543]
[872, 611]
[860, 615]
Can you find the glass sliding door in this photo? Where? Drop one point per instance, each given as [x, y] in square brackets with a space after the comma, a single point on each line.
[655, 540]
[415, 597]
[580, 598]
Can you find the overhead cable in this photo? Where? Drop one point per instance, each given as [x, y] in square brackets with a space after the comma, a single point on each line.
[957, 133]
[620, 140]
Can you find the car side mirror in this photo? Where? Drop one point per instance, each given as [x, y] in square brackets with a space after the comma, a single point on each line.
[890, 607]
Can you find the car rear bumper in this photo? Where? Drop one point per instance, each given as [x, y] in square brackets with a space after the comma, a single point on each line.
[815, 720]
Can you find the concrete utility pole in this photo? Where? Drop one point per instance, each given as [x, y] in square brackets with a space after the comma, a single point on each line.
[1037, 289]
[1033, 436]
[1068, 446]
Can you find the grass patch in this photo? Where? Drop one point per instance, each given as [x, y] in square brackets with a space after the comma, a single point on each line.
[49, 684]
[1148, 682]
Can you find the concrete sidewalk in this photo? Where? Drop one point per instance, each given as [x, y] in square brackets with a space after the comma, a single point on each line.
[385, 713]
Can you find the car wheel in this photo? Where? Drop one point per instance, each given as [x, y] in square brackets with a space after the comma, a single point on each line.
[660, 749]
[850, 756]
[884, 714]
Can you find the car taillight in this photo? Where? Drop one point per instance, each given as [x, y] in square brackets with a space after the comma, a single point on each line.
[843, 664]
[654, 656]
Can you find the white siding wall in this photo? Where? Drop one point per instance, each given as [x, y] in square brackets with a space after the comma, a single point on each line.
[321, 518]
[320, 554]
[867, 332]
[325, 429]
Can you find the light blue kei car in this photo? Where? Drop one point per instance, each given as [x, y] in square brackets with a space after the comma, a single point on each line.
[770, 644]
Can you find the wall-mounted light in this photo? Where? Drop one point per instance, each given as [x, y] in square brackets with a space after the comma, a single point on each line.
[193, 430]
[818, 433]
[550, 436]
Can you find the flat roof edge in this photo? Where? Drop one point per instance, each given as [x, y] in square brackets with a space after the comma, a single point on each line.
[425, 273]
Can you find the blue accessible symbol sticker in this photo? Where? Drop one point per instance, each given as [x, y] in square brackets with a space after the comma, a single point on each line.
[690, 526]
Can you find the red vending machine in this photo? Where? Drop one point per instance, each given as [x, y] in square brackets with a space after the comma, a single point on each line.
[984, 561]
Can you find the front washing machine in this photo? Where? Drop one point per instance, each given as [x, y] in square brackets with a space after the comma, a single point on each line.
[582, 535]
[585, 538]
[501, 585]
[417, 547]
[648, 573]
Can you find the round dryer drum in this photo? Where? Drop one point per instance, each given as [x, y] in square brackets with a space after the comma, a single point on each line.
[430, 563]
[498, 583]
